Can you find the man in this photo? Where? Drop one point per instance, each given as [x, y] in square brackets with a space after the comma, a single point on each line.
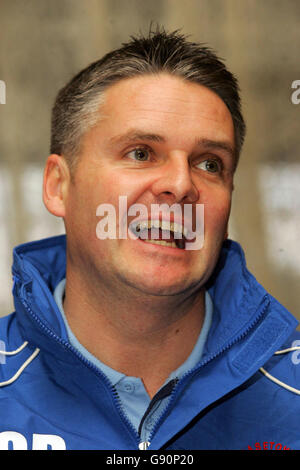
[144, 340]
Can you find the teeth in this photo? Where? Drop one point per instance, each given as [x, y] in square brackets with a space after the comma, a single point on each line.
[178, 229]
[162, 242]
[154, 223]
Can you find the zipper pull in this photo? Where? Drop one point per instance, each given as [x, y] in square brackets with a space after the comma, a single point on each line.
[144, 445]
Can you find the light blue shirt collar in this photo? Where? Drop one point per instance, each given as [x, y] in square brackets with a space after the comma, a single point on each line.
[115, 376]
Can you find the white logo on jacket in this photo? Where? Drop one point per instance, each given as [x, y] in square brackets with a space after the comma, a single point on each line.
[39, 441]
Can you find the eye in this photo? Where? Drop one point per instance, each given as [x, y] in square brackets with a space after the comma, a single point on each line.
[139, 154]
[211, 165]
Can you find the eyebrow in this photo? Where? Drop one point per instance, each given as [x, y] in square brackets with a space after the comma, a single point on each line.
[208, 144]
[217, 145]
[136, 135]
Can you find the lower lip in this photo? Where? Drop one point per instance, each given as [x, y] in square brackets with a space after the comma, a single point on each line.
[154, 247]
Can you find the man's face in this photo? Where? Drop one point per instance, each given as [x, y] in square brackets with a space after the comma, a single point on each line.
[159, 140]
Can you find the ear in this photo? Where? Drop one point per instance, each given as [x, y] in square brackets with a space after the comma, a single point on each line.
[56, 185]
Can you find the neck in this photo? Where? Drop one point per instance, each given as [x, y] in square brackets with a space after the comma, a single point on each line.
[140, 335]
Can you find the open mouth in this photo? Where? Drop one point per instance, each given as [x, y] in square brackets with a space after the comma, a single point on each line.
[160, 232]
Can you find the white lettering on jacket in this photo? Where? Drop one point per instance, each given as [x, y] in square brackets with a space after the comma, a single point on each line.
[39, 441]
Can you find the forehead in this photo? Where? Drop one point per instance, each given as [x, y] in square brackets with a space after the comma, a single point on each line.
[165, 105]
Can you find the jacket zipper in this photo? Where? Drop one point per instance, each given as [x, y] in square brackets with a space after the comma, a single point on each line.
[66, 344]
[176, 390]
[144, 445]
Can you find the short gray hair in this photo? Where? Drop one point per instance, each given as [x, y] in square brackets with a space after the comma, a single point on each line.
[76, 108]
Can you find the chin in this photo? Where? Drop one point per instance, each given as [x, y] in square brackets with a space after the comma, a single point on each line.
[161, 287]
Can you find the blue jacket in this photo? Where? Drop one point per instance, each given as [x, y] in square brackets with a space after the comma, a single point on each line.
[52, 397]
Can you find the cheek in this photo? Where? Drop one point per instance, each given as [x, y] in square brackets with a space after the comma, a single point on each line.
[216, 214]
[127, 191]
[81, 217]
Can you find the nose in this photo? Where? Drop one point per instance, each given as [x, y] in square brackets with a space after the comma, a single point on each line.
[176, 181]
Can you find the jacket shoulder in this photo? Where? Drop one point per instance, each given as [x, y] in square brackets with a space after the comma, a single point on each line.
[285, 364]
[10, 335]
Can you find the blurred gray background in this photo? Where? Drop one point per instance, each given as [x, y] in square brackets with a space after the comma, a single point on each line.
[43, 43]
